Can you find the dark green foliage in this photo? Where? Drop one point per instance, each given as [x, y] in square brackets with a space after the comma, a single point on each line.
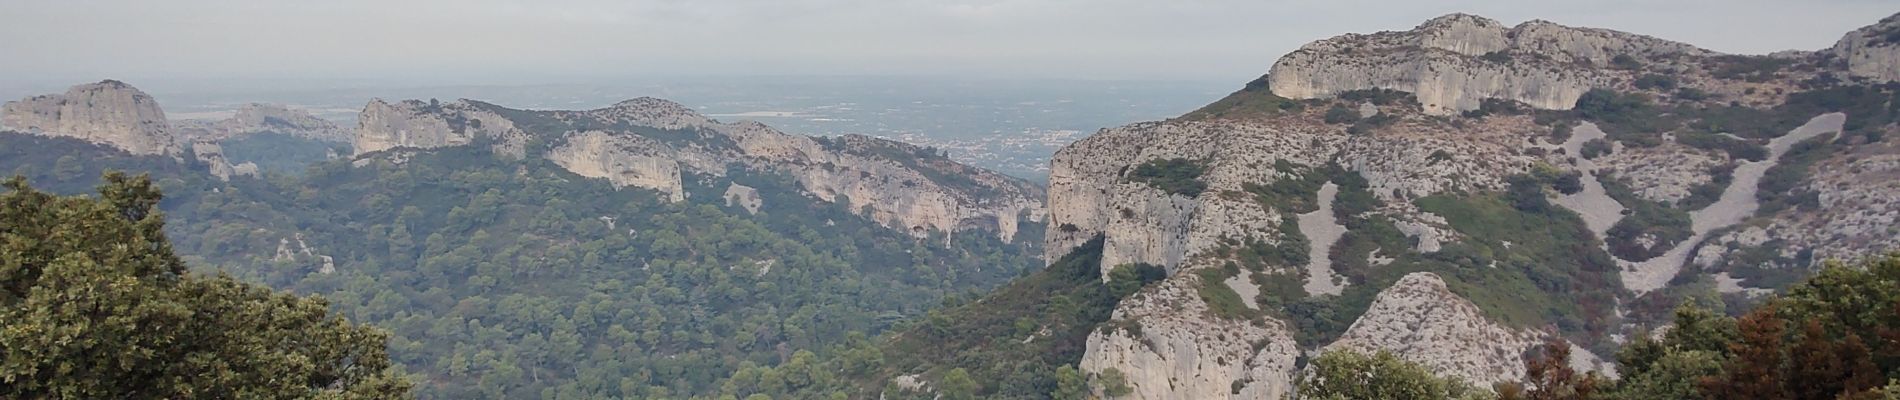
[1221, 299]
[1749, 68]
[1257, 255]
[1381, 97]
[1784, 186]
[1295, 190]
[279, 153]
[1347, 374]
[499, 278]
[1692, 94]
[1664, 225]
[1625, 61]
[1125, 279]
[1655, 82]
[1870, 110]
[1496, 106]
[1553, 272]
[94, 304]
[1626, 117]
[1500, 56]
[1254, 100]
[1594, 148]
[1703, 194]
[1340, 114]
[1835, 335]
[1175, 175]
[1736, 148]
[1065, 301]
[1366, 125]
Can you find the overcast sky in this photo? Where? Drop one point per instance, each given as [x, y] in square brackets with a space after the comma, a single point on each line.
[575, 41]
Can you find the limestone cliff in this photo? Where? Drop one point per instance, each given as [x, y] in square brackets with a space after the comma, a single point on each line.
[659, 145]
[1872, 52]
[255, 118]
[109, 112]
[1454, 62]
[1433, 147]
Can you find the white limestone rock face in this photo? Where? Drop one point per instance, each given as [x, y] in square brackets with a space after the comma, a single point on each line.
[1872, 52]
[256, 118]
[745, 197]
[656, 144]
[1421, 320]
[432, 124]
[110, 113]
[212, 155]
[1448, 63]
[1180, 351]
[621, 160]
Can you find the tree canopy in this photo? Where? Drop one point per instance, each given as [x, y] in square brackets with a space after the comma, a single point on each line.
[94, 304]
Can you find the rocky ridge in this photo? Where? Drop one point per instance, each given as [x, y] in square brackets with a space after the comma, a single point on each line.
[256, 118]
[115, 114]
[1512, 85]
[1454, 62]
[657, 144]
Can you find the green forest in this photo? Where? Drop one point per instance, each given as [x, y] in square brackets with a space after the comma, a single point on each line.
[500, 278]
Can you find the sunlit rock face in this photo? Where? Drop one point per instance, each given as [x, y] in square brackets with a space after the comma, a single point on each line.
[110, 112]
[1454, 62]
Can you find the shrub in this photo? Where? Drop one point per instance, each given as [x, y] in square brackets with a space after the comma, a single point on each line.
[1221, 300]
[1594, 148]
[1625, 61]
[1176, 175]
[1126, 279]
[1340, 114]
[1655, 81]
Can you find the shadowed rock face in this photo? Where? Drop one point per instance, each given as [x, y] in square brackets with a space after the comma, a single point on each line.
[109, 112]
[1450, 64]
[256, 118]
[656, 144]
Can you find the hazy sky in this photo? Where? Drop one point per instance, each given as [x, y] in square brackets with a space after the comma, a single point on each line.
[521, 41]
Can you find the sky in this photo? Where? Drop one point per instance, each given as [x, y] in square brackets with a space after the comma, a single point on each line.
[578, 41]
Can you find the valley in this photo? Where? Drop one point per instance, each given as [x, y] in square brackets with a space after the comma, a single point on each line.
[1462, 209]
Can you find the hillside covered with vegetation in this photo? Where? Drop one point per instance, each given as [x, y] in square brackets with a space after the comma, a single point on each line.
[501, 278]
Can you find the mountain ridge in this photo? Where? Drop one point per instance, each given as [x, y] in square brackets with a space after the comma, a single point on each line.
[1452, 148]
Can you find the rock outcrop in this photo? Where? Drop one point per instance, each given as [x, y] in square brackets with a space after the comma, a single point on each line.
[1452, 63]
[1177, 350]
[1421, 320]
[212, 154]
[1872, 52]
[426, 125]
[110, 112]
[744, 197]
[256, 118]
[657, 144]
